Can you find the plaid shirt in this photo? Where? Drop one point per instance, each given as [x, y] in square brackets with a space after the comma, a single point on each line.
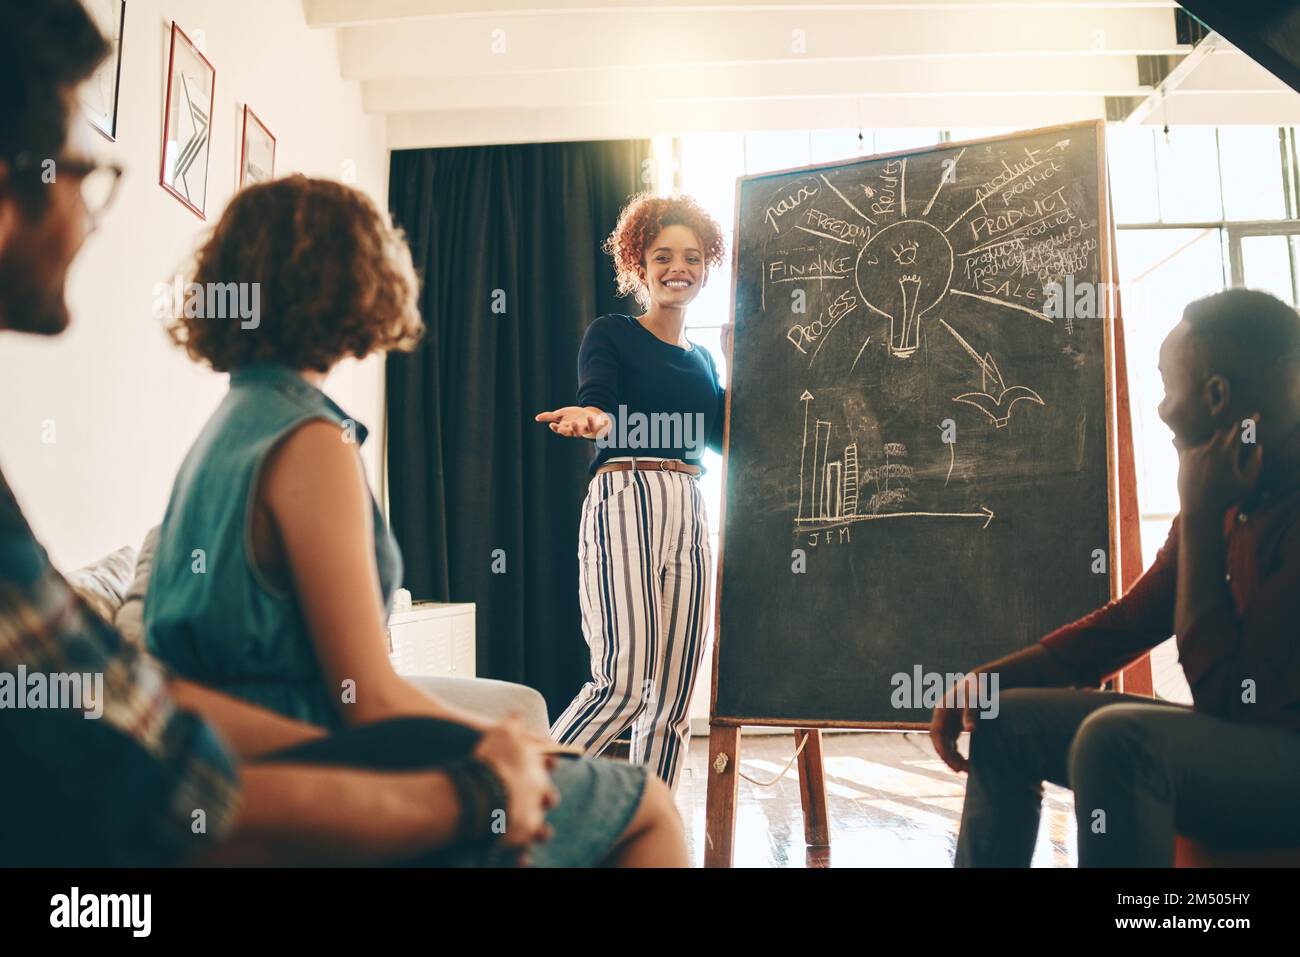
[124, 787]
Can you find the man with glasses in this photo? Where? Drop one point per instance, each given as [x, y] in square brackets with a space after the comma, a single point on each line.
[97, 181]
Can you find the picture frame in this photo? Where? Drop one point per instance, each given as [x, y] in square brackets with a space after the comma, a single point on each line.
[257, 155]
[99, 94]
[187, 123]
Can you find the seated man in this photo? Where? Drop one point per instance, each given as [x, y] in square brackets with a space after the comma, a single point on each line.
[156, 770]
[1225, 771]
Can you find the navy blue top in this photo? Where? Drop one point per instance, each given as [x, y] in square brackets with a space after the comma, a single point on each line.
[665, 401]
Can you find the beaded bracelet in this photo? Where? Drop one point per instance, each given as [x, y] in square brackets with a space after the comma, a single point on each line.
[482, 796]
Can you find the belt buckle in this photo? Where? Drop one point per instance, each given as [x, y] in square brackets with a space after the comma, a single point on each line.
[666, 465]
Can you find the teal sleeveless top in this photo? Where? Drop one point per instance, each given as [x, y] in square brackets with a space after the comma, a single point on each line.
[210, 614]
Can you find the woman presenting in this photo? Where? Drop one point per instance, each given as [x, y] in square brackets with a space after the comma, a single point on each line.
[651, 401]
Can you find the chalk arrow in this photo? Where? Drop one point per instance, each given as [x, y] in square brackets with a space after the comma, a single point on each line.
[995, 393]
[989, 370]
[803, 448]
[818, 524]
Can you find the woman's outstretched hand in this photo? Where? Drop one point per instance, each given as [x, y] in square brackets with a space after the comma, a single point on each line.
[577, 421]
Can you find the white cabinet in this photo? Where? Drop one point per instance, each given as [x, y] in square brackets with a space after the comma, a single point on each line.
[433, 639]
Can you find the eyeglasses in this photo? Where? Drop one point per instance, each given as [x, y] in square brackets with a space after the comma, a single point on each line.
[99, 186]
[97, 181]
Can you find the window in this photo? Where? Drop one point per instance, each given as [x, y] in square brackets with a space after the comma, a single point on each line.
[1197, 211]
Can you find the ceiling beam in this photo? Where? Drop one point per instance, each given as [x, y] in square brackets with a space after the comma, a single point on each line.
[354, 13]
[1078, 75]
[1216, 85]
[479, 47]
[1208, 108]
[1227, 68]
[513, 125]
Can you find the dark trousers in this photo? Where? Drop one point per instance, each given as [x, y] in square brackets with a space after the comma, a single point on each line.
[1141, 771]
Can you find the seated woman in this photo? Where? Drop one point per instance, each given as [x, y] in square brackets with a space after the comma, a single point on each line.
[275, 568]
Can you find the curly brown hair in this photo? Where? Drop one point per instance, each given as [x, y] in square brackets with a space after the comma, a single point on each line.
[642, 219]
[335, 279]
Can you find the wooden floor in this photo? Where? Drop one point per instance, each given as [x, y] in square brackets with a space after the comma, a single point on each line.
[892, 803]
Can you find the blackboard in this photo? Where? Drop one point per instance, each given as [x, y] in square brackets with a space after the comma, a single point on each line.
[918, 473]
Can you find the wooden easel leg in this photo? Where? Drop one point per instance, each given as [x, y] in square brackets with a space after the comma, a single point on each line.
[812, 788]
[1137, 678]
[720, 797]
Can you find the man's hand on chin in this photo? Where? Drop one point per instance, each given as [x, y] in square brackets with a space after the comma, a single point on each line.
[1221, 471]
[1212, 477]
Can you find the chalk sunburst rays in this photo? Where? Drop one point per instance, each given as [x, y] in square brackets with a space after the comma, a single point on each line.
[904, 270]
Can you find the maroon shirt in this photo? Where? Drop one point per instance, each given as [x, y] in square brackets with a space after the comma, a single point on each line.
[1253, 635]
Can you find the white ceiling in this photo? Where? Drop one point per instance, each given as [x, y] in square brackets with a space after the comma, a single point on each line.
[452, 72]
[1217, 84]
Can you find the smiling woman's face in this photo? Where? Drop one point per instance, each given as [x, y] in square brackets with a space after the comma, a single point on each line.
[674, 269]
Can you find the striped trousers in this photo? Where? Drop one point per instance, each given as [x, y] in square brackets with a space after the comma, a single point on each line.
[644, 561]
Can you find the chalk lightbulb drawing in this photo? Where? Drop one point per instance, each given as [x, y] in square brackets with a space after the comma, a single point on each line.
[902, 273]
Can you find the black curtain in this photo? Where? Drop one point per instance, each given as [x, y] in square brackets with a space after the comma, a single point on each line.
[485, 501]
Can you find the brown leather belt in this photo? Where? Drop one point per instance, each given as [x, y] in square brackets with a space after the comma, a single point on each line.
[663, 465]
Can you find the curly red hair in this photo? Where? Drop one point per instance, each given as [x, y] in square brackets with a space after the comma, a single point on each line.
[642, 219]
[335, 278]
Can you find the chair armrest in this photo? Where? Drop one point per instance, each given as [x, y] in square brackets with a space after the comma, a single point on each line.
[492, 699]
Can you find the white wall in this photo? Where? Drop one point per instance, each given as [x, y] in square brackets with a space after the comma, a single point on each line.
[125, 405]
